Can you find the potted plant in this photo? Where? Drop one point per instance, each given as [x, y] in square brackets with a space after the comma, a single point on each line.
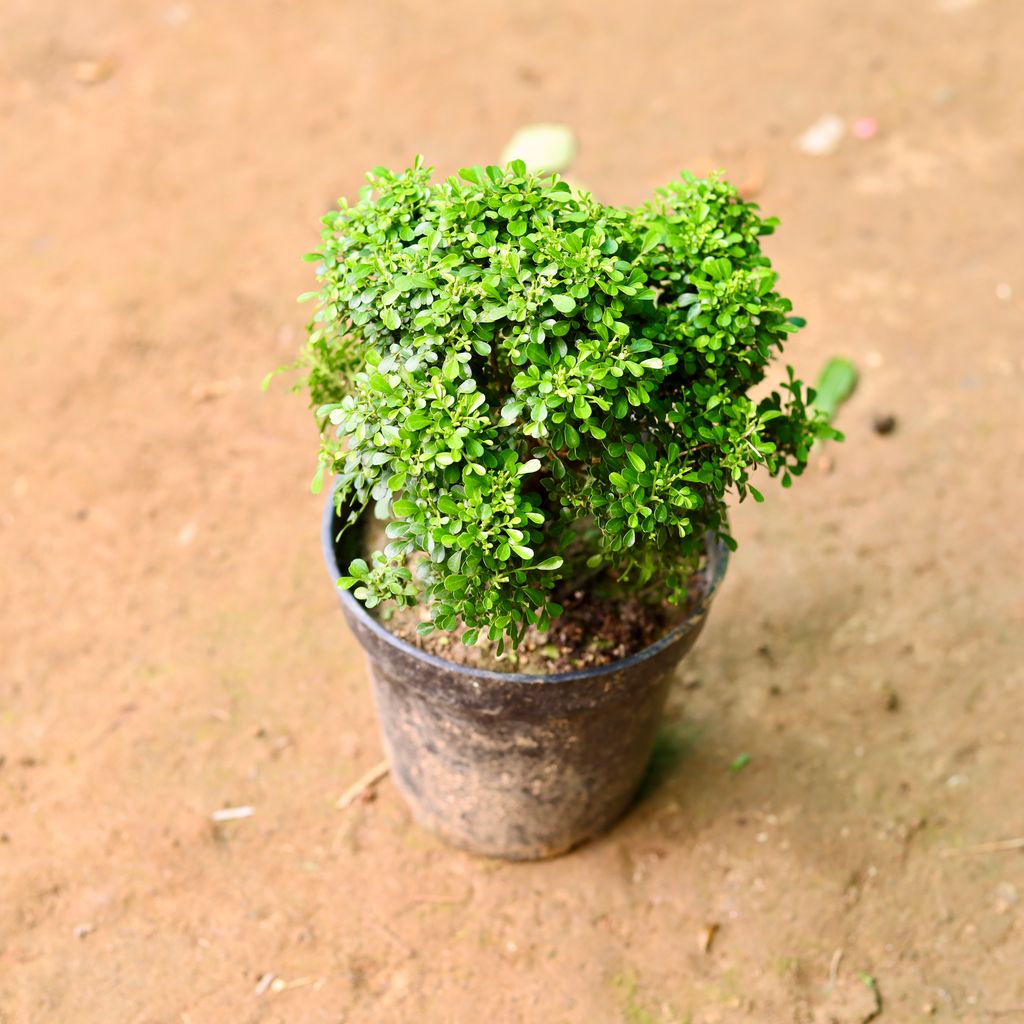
[534, 407]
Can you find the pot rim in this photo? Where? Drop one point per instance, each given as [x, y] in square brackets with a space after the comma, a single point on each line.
[718, 555]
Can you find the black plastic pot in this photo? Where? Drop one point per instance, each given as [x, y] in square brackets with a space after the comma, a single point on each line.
[514, 765]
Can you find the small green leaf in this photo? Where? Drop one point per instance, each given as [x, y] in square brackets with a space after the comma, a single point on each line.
[837, 382]
[492, 313]
[510, 412]
[549, 564]
[652, 239]
[739, 763]
[404, 507]
[531, 466]
[563, 303]
[406, 282]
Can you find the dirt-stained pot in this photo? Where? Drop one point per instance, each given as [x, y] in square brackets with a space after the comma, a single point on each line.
[514, 765]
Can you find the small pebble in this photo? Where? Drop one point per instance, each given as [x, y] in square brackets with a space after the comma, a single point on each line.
[93, 72]
[706, 936]
[544, 148]
[207, 392]
[884, 423]
[1006, 896]
[263, 984]
[231, 814]
[824, 137]
[864, 128]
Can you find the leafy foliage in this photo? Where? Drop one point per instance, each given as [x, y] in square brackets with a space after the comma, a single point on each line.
[531, 386]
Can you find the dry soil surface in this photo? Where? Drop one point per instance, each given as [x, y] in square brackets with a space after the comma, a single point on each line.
[170, 644]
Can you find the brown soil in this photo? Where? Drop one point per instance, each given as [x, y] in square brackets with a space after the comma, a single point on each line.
[170, 644]
[592, 631]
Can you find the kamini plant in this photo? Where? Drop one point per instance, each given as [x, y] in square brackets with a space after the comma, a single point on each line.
[533, 388]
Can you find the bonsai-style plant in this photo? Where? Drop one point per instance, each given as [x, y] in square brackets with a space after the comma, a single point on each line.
[532, 387]
[539, 395]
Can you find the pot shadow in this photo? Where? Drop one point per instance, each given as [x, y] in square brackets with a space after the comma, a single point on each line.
[792, 692]
[673, 744]
[793, 789]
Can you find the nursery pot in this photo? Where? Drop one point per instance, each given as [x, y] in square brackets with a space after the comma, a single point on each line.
[515, 765]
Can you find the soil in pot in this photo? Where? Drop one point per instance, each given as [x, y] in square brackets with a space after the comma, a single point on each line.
[593, 630]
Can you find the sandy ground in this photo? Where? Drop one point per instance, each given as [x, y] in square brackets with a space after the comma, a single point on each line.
[169, 642]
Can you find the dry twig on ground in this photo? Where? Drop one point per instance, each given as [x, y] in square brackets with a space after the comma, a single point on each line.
[362, 785]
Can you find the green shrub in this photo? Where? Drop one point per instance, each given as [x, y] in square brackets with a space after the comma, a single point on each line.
[534, 388]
